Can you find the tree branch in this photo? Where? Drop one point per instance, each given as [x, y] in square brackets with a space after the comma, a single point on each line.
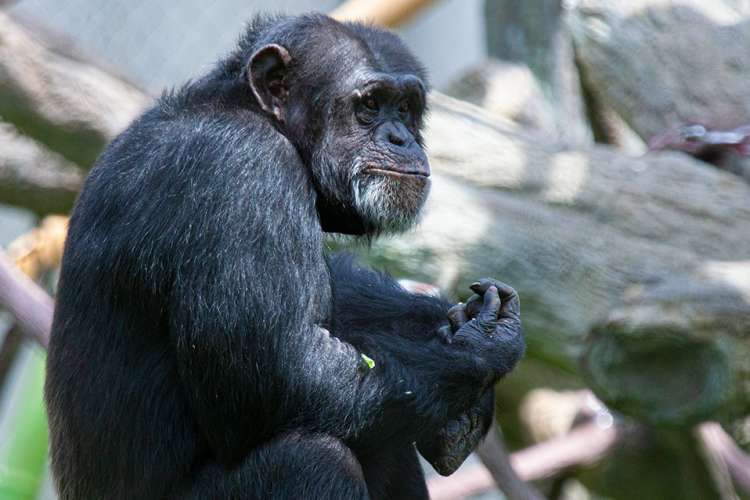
[494, 456]
[391, 14]
[26, 301]
[72, 107]
[33, 177]
[723, 447]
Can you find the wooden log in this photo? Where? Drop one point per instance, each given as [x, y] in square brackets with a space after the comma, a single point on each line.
[27, 257]
[732, 457]
[494, 455]
[33, 177]
[71, 107]
[660, 64]
[30, 305]
[58, 114]
[508, 90]
[391, 14]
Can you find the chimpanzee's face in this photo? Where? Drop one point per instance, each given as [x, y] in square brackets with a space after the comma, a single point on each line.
[370, 158]
[356, 127]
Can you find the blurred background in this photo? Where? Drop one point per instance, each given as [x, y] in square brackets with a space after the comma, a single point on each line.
[594, 154]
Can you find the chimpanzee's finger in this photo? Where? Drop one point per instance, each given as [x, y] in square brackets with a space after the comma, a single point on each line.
[511, 307]
[457, 316]
[487, 318]
[473, 306]
[511, 304]
[483, 284]
[445, 334]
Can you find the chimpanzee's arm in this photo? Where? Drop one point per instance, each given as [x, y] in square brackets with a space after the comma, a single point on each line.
[374, 313]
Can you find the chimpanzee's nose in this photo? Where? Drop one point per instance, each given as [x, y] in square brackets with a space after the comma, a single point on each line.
[395, 138]
[395, 134]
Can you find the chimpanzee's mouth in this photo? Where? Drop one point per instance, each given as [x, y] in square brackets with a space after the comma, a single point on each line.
[408, 171]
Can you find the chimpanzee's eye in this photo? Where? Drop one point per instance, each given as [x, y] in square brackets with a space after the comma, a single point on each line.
[403, 108]
[370, 103]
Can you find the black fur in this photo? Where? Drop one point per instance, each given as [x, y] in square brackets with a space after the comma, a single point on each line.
[191, 356]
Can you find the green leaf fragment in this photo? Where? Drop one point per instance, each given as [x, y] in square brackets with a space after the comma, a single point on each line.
[370, 363]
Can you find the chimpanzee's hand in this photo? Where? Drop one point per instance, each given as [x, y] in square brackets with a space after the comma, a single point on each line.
[448, 448]
[488, 324]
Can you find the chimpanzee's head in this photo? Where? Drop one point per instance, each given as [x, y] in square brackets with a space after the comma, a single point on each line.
[351, 98]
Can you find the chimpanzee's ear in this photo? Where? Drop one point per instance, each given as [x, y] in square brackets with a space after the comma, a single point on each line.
[266, 73]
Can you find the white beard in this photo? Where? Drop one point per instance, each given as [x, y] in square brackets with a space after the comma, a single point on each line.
[381, 204]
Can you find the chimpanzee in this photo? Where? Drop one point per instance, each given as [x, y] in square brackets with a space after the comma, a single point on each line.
[204, 346]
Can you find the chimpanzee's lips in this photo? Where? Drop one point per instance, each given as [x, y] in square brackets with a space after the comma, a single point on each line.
[416, 169]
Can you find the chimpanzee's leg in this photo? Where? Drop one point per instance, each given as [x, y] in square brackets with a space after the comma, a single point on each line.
[395, 474]
[292, 466]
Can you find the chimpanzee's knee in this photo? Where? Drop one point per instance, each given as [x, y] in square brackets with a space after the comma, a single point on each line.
[294, 465]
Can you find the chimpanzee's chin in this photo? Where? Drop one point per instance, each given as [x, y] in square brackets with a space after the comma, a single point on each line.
[390, 203]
